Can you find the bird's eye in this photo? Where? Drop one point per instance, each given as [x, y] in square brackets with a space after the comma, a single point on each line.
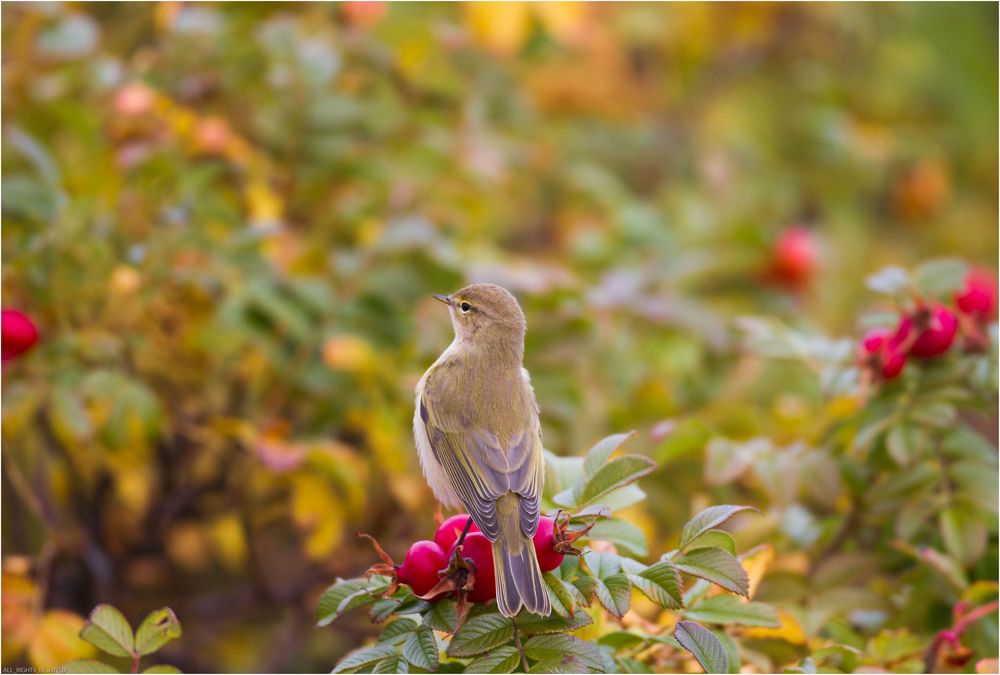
[465, 307]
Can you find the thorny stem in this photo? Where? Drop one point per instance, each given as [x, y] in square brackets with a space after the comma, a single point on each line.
[520, 647]
[135, 662]
[951, 635]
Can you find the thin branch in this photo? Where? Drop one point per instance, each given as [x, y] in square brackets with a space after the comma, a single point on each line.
[517, 643]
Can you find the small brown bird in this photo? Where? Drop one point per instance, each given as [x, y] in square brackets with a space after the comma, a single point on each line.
[479, 438]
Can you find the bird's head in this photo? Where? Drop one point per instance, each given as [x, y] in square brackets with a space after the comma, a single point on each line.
[485, 313]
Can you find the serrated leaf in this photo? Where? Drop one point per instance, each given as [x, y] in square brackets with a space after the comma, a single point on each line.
[533, 624]
[599, 454]
[940, 277]
[662, 584]
[109, 630]
[157, 629]
[364, 656]
[392, 664]
[481, 633]
[715, 565]
[621, 533]
[420, 649]
[87, 666]
[442, 616]
[343, 595]
[725, 609]
[709, 519]
[889, 280]
[161, 668]
[500, 660]
[703, 644]
[714, 539]
[548, 648]
[617, 473]
[615, 594]
[398, 630]
[560, 597]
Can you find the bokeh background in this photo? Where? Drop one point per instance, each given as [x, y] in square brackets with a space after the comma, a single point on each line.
[226, 221]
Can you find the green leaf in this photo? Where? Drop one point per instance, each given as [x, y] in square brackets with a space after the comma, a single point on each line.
[905, 443]
[157, 629]
[442, 616]
[617, 473]
[392, 664]
[964, 533]
[560, 596]
[621, 639]
[500, 660]
[599, 454]
[109, 630]
[932, 414]
[725, 609]
[481, 633]
[343, 595]
[87, 666]
[548, 648]
[161, 668]
[709, 519]
[715, 565]
[533, 624]
[661, 583]
[364, 656]
[940, 277]
[703, 644]
[398, 630]
[621, 533]
[421, 649]
[614, 593]
[889, 280]
[714, 539]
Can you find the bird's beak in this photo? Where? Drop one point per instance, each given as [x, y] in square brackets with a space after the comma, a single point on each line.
[446, 299]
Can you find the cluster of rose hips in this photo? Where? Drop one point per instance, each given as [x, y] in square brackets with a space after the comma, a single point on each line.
[930, 329]
[430, 567]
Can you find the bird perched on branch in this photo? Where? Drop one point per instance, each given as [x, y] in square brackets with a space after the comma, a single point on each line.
[479, 438]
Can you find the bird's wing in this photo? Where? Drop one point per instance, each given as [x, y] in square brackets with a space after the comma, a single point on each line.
[477, 465]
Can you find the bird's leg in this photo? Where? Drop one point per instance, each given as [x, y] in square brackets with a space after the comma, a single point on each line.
[465, 531]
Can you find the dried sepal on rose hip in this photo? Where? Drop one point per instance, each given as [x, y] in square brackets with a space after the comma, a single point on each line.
[420, 570]
[563, 538]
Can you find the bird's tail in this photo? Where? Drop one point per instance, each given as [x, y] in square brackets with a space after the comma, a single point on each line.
[519, 579]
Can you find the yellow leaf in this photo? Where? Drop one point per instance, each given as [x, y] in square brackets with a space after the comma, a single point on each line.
[264, 205]
[19, 620]
[790, 630]
[564, 20]
[317, 512]
[226, 535]
[755, 562]
[57, 640]
[348, 353]
[499, 26]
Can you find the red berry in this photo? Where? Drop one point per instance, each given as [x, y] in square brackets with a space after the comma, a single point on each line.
[451, 529]
[477, 547]
[18, 332]
[421, 566]
[936, 338]
[548, 558]
[364, 13]
[795, 256]
[979, 296]
[883, 347]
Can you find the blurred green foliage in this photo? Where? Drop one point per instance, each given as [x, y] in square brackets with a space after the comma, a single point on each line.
[227, 221]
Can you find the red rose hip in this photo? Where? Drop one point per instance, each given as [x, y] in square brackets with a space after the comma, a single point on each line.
[548, 558]
[421, 566]
[795, 256]
[480, 550]
[935, 338]
[18, 332]
[451, 529]
[979, 296]
[882, 352]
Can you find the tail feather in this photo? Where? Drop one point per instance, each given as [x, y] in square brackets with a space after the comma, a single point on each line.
[519, 579]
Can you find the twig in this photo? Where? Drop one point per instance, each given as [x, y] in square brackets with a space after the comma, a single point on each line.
[952, 635]
[520, 647]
